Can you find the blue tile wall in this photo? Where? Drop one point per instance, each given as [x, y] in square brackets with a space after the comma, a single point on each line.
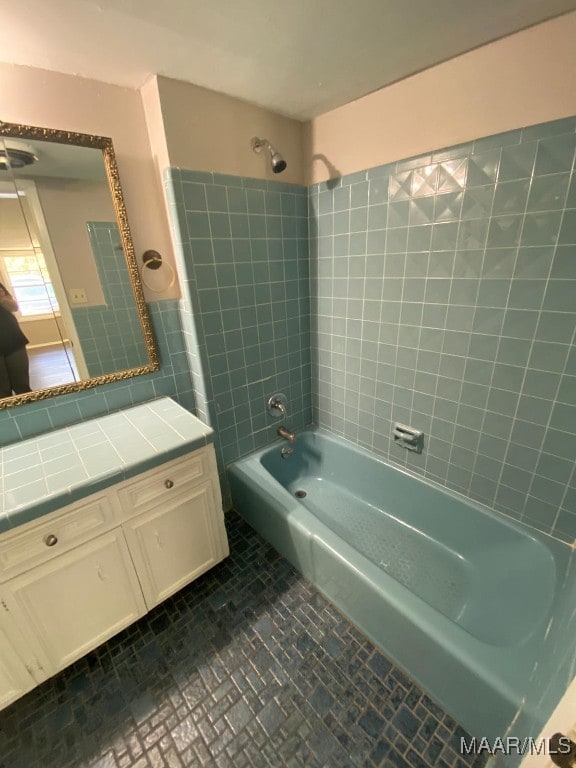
[172, 380]
[110, 335]
[242, 248]
[444, 296]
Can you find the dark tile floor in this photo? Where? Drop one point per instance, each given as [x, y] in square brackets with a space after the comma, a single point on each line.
[249, 666]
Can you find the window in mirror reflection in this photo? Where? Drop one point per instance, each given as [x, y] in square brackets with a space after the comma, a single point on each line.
[26, 277]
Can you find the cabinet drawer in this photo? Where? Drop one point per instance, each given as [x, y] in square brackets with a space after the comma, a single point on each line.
[40, 541]
[158, 485]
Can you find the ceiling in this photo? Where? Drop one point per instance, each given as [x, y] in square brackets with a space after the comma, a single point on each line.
[299, 58]
[57, 161]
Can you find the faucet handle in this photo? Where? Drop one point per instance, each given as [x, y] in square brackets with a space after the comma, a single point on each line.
[278, 405]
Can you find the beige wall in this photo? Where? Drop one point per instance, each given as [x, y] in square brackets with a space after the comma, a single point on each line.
[208, 131]
[67, 205]
[38, 97]
[155, 123]
[14, 234]
[524, 79]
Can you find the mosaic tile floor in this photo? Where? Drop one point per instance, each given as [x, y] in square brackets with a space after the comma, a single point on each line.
[247, 667]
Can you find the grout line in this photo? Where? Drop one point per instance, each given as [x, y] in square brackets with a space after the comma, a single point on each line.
[526, 369]
[444, 329]
[489, 386]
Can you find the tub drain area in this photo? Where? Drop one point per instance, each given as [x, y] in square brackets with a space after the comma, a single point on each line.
[300, 494]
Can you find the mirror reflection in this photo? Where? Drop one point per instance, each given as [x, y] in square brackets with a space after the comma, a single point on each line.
[67, 285]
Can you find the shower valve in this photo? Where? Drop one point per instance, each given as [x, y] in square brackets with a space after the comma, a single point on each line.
[278, 405]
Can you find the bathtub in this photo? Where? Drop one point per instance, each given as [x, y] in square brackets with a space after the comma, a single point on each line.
[456, 595]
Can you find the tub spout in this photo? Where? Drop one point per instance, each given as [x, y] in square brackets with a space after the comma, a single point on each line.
[286, 434]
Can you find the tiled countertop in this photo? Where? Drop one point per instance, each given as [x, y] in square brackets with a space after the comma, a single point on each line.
[44, 473]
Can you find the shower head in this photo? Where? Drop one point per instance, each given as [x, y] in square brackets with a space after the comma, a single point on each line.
[276, 160]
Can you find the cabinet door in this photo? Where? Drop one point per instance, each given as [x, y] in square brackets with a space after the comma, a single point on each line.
[175, 542]
[15, 678]
[78, 600]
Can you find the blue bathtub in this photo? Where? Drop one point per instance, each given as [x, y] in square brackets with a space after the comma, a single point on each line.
[458, 596]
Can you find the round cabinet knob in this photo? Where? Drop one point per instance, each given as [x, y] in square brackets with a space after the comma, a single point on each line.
[51, 540]
[169, 483]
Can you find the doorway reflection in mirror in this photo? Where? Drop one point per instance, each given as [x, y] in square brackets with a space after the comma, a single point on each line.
[25, 274]
[51, 366]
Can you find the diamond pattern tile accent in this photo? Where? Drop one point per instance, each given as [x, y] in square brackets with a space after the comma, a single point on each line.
[504, 217]
[448, 206]
[483, 168]
[249, 667]
[424, 181]
[452, 175]
[421, 210]
[400, 186]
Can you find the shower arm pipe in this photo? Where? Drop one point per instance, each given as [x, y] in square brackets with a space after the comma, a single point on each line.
[259, 144]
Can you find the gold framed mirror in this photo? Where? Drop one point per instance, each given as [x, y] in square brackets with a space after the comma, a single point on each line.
[67, 258]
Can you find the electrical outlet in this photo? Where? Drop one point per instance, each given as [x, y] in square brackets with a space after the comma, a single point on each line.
[77, 296]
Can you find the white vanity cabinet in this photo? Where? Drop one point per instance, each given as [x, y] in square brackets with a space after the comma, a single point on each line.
[72, 579]
[15, 678]
[76, 601]
[175, 535]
